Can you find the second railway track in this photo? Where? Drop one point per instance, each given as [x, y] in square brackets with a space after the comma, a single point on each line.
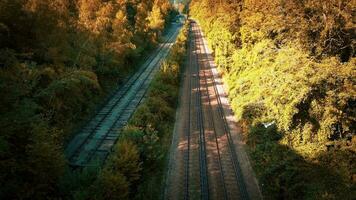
[95, 140]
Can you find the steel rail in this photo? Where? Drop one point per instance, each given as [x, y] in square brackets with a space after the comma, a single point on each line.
[234, 159]
[211, 121]
[187, 154]
[117, 97]
[204, 183]
[111, 94]
[136, 101]
[142, 88]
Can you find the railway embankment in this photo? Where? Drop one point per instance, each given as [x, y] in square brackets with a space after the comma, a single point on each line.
[136, 167]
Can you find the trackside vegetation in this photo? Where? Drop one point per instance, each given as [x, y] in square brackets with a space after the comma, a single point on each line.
[58, 60]
[289, 67]
[136, 167]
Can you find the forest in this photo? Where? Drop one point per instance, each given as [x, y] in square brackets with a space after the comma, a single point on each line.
[58, 60]
[290, 70]
[289, 67]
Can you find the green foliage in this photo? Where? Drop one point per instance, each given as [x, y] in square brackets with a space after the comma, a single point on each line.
[74, 184]
[58, 59]
[284, 174]
[40, 157]
[150, 127]
[291, 89]
[126, 160]
[111, 185]
[61, 109]
[135, 169]
[121, 172]
[291, 63]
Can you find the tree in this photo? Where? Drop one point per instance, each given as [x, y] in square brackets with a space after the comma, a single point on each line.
[155, 18]
[111, 185]
[126, 160]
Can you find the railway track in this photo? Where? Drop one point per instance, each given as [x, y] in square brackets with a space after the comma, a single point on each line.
[233, 183]
[200, 125]
[216, 159]
[227, 133]
[211, 167]
[94, 142]
[196, 185]
[187, 127]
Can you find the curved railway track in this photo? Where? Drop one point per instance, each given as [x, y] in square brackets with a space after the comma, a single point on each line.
[94, 142]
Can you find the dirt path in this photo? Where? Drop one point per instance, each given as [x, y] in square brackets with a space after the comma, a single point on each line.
[207, 160]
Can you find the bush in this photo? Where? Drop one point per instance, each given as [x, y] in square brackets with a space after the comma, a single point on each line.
[111, 185]
[125, 160]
